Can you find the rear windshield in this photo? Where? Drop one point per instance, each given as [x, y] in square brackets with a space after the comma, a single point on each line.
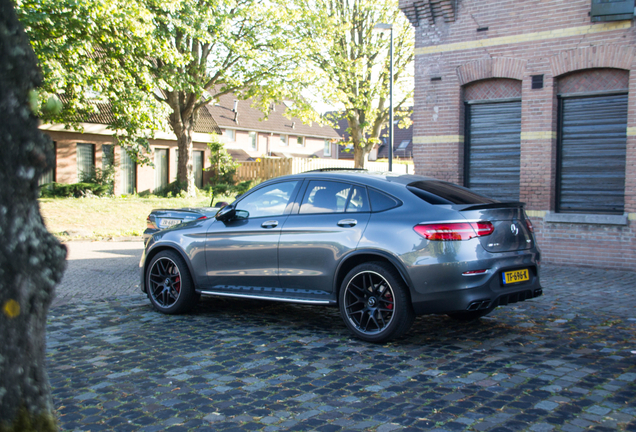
[439, 192]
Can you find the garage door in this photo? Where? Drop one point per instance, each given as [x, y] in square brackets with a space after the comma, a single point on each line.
[592, 141]
[493, 142]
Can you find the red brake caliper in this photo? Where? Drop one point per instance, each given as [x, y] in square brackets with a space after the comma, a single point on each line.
[177, 284]
[389, 297]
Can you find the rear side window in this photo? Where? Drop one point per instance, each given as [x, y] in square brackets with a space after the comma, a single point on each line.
[381, 201]
[439, 192]
[334, 197]
[325, 197]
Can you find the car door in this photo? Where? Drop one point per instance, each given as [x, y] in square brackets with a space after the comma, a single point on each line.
[328, 225]
[241, 253]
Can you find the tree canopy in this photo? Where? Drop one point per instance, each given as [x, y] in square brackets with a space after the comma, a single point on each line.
[158, 62]
[351, 61]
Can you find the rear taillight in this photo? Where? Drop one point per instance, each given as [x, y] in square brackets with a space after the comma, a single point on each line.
[529, 225]
[150, 223]
[454, 231]
[202, 217]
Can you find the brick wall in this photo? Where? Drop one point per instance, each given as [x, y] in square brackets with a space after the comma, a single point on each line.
[476, 52]
[66, 161]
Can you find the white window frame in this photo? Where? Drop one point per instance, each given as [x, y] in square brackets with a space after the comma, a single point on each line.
[327, 151]
[284, 140]
[253, 136]
[300, 141]
[230, 135]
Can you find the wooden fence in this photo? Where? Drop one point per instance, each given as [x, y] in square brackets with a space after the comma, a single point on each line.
[267, 168]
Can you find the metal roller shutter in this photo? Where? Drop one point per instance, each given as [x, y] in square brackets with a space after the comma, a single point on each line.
[493, 146]
[592, 141]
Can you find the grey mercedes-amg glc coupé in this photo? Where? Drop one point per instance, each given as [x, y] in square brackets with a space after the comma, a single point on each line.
[382, 247]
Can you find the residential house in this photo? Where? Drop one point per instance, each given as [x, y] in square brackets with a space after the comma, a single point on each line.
[534, 101]
[247, 136]
[95, 147]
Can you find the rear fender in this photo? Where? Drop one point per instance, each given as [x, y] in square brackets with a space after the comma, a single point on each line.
[382, 255]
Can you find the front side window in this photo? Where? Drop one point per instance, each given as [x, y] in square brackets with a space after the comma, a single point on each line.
[268, 201]
[283, 140]
[300, 141]
[327, 148]
[253, 143]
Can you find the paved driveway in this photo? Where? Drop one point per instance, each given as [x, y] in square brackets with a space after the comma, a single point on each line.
[565, 361]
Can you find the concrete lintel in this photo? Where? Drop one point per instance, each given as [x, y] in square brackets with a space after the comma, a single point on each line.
[591, 219]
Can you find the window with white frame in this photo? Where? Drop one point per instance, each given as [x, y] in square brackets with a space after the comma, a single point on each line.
[230, 135]
[283, 140]
[300, 141]
[253, 143]
[327, 148]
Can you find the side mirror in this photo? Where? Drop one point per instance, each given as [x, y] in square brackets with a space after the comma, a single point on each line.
[225, 214]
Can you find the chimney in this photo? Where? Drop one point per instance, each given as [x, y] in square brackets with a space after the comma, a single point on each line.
[293, 125]
[235, 105]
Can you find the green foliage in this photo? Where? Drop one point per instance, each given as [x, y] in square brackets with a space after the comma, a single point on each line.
[350, 60]
[102, 177]
[154, 64]
[76, 190]
[244, 186]
[222, 164]
[221, 189]
[26, 422]
[175, 189]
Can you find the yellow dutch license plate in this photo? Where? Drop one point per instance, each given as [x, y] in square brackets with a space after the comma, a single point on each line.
[515, 276]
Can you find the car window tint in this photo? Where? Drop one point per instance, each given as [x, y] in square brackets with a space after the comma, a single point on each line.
[325, 197]
[268, 201]
[439, 192]
[358, 201]
[381, 201]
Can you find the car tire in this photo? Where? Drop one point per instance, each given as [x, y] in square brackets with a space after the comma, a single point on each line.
[169, 285]
[374, 302]
[470, 316]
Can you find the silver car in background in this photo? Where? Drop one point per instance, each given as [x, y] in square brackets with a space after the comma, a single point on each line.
[380, 246]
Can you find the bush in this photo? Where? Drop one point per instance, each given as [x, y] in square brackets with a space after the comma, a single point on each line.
[77, 190]
[102, 177]
[243, 187]
[222, 165]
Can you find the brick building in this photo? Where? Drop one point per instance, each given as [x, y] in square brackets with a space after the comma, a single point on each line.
[534, 101]
[243, 129]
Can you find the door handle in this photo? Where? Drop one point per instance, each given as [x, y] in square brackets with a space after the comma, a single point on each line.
[270, 224]
[347, 222]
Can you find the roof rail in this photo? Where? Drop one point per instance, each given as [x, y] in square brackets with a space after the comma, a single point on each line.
[337, 169]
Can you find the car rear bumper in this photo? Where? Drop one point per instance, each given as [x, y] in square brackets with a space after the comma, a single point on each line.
[446, 288]
[475, 299]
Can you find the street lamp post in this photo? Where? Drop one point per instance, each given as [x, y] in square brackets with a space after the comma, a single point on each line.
[382, 26]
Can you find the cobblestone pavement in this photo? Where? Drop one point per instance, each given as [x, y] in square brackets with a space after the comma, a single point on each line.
[564, 362]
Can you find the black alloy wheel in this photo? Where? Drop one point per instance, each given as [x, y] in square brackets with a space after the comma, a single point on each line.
[374, 303]
[169, 285]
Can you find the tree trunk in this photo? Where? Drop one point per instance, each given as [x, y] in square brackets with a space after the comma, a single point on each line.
[31, 260]
[184, 130]
[357, 138]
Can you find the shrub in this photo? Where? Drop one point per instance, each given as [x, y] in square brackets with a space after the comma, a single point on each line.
[77, 190]
[103, 177]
